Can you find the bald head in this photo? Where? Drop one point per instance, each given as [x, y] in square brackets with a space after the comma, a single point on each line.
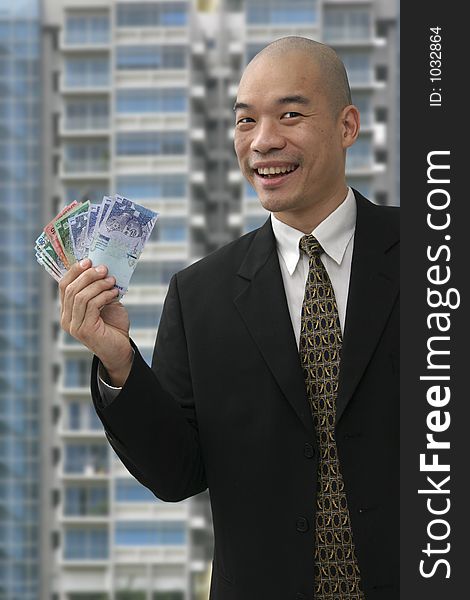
[334, 79]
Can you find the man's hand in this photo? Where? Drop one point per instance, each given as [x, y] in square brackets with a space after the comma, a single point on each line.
[91, 314]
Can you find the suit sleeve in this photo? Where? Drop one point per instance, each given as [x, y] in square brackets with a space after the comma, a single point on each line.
[152, 423]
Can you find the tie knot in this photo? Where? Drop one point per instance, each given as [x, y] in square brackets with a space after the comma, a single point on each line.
[310, 245]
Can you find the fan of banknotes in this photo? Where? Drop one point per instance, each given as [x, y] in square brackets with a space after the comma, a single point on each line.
[112, 233]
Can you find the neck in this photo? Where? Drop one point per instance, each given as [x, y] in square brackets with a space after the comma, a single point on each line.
[306, 219]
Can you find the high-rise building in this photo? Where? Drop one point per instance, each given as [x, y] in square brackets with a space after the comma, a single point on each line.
[122, 108]
[20, 300]
[138, 100]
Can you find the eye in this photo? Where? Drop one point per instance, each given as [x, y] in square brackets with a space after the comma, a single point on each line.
[245, 120]
[291, 114]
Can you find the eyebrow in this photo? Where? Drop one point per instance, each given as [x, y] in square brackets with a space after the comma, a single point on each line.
[297, 99]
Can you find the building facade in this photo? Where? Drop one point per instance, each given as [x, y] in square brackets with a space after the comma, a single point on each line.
[20, 300]
[138, 101]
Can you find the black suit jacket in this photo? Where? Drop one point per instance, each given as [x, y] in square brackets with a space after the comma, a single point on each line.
[224, 406]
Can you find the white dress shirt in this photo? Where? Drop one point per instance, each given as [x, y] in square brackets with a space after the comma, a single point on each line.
[336, 236]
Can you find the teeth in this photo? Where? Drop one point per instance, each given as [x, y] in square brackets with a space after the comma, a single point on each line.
[275, 170]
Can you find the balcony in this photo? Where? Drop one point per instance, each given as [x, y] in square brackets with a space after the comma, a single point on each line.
[80, 41]
[149, 165]
[359, 165]
[85, 126]
[85, 169]
[168, 121]
[85, 31]
[85, 75]
[173, 555]
[90, 433]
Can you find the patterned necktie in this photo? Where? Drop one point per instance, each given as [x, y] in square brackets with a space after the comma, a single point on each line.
[337, 575]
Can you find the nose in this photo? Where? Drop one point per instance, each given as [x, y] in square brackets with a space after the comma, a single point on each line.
[267, 137]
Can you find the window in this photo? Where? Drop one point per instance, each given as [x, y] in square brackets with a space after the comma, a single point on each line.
[381, 72]
[359, 155]
[381, 156]
[88, 596]
[86, 157]
[86, 29]
[358, 67]
[152, 186]
[171, 230]
[252, 223]
[86, 72]
[361, 185]
[151, 273]
[130, 490]
[150, 533]
[74, 416]
[86, 500]
[93, 193]
[279, 12]
[87, 114]
[139, 14]
[151, 143]
[86, 543]
[144, 317]
[381, 114]
[382, 27]
[363, 101]
[252, 50]
[346, 24]
[82, 416]
[77, 372]
[151, 57]
[130, 595]
[155, 100]
[86, 459]
[250, 191]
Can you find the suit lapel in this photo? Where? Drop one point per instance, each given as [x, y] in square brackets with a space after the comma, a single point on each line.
[373, 289]
[263, 306]
[372, 292]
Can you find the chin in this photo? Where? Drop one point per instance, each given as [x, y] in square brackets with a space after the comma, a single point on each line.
[275, 204]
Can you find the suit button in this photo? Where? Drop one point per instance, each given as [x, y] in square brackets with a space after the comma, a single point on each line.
[302, 524]
[308, 450]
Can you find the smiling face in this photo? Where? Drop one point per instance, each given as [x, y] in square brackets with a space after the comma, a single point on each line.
[289, 142]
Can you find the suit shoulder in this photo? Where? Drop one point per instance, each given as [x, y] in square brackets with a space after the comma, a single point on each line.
[390, 214]
[387, 217]
[226, 259]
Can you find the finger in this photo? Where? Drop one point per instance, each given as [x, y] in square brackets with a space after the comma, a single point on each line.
[75, 271]
[96, 280]
[86, 325]
[88, 276]
[83, 297]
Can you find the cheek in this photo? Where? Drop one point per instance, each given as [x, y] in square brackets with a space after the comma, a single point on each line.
[241, 146]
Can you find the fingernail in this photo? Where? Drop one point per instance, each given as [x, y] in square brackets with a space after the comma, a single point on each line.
[109, 279]
[85, 262]
[101, 269]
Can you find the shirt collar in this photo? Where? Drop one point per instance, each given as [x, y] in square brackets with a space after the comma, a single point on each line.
[333, 233]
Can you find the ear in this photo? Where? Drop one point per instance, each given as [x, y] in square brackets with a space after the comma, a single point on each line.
[350, 125]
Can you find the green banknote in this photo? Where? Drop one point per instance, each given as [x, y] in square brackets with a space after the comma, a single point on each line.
[62, 229]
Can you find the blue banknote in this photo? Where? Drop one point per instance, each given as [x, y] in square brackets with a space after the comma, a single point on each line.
[119, 238]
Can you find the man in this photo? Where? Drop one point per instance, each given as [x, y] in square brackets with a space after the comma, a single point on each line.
[253, 392]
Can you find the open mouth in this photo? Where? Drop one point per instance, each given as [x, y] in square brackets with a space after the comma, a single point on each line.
[275, 172]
